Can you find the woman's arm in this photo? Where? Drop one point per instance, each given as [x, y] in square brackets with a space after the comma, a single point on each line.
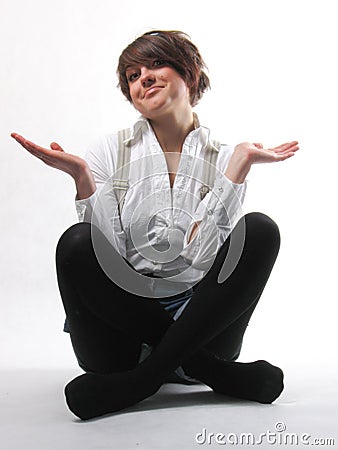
[56, 157]
[247, 154]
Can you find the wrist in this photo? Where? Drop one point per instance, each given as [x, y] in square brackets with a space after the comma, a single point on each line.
[85, 183]
[239, 166]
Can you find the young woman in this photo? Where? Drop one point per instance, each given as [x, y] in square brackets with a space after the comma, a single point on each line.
[174, 265]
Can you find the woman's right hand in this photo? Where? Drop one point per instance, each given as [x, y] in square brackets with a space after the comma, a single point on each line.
[56, 157]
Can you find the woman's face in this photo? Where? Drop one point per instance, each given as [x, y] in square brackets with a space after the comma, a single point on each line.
[157, 89]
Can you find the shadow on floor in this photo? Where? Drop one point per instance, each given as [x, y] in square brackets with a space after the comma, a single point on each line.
[180, 396]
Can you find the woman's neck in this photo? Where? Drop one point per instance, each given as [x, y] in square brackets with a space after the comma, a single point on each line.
[172, 130]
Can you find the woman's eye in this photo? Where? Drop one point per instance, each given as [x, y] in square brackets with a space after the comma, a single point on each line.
[159, 62]
[132, 76]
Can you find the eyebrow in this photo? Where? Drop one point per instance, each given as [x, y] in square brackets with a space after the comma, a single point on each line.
[129, 68]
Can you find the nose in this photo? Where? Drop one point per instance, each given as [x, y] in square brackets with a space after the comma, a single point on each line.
[147, 77]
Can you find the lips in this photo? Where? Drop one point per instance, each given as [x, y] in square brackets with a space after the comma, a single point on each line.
[151, 90]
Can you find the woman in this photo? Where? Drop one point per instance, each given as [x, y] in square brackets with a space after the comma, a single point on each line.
[150, 268]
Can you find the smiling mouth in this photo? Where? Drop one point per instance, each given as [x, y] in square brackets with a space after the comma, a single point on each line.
[152, 90]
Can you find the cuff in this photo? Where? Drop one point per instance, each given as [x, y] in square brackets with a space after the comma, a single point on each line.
[84, 207]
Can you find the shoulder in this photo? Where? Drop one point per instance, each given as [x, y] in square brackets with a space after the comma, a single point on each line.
[225, 152]
[101, 153]
[108, 143]
[104, 149]
[209, 139]
[104, 143]
[225, 149]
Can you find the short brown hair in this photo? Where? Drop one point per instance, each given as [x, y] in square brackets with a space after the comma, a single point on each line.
[176, 49]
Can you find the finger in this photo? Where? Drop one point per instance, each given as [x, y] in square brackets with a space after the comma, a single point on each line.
[33, 149]
[37, 147]
[285, 146]
[270, 156]
[289, 143]
[258, 144]
[24, 142]
[18, 137]
[41, 153]
[293, 148]
[56, 146]
[284, 156]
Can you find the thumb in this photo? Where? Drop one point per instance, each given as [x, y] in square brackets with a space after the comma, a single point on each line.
[55, 146]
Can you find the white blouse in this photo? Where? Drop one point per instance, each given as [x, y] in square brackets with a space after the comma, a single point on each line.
[153, 231]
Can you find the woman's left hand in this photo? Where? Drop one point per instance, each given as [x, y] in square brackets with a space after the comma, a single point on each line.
[255, 153]
[246, 154]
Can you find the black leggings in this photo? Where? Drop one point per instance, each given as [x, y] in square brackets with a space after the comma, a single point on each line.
[108, 324]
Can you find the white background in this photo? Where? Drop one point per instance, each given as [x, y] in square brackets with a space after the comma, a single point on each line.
[274, 76]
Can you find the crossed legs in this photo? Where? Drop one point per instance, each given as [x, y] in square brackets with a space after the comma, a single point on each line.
[109, 324]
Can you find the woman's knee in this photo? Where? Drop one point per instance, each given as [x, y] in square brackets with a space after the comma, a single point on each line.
[73, 241]
[262, 228]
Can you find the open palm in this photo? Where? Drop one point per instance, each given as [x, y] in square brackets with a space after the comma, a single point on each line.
[54, 157]
[257, 154]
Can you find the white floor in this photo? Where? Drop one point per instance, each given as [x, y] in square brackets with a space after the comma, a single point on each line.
[33, 415]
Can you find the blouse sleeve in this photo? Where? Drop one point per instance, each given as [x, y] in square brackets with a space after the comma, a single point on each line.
[101, 208]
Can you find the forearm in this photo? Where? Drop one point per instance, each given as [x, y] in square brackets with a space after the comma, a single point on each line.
[84, 182]
[239, 166]
[246, 154]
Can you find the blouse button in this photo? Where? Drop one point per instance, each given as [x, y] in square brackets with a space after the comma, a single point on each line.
[157, 267]
[210, 212]
[220, 189]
